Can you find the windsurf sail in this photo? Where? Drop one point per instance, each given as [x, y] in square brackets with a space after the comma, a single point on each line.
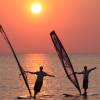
[15, 56]
[67, 65]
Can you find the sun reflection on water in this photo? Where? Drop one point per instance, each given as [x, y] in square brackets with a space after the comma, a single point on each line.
[34, 61]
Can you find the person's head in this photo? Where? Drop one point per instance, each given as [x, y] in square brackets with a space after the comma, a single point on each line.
[85, 67]
[41, 68]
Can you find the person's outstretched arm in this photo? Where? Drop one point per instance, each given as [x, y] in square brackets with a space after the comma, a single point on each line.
[29, 72]
[79, 72]
[50, 75]
[92, 69]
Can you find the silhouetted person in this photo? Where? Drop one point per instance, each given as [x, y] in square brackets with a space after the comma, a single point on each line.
[39, 81]
[85, 73]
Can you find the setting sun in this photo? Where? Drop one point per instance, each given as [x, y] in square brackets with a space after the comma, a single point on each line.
[36, 8]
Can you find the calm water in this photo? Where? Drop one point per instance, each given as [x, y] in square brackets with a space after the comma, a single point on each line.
[11, 85]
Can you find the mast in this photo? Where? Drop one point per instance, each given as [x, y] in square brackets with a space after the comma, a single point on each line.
[17, 61]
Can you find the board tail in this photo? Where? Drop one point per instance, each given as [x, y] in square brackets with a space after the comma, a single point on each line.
[15, 56]
[68, 68]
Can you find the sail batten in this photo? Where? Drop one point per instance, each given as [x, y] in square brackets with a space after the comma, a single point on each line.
[67, 65]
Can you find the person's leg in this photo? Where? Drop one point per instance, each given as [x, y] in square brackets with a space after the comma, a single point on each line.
[85, 91]
[85, 87]
[35, 93]
[37, 88]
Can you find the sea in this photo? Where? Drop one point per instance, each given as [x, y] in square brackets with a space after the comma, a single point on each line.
[54, 88]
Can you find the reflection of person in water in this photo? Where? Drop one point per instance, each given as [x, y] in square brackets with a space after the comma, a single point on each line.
[39, 81]
[85, 73]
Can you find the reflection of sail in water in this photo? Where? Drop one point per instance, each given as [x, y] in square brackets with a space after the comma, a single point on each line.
[64, 60]
[15, 56]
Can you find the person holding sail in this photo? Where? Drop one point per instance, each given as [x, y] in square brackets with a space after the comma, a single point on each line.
[39, 81]
[85, 73]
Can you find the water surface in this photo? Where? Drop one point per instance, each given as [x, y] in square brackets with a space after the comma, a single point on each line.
[11, 85]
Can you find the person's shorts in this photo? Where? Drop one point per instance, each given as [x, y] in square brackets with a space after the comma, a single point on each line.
[85, 84]
[38, 86]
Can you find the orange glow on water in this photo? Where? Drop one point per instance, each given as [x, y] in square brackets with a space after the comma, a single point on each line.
[34, 61]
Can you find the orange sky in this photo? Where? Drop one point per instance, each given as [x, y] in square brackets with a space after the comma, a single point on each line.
[77, 23]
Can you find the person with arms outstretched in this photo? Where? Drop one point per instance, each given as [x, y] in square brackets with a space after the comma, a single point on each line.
[39, 81]
[85, 73]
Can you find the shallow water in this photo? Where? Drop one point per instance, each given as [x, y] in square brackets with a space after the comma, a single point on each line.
[11, 85]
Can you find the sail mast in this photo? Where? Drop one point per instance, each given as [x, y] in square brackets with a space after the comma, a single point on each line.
[15, 56]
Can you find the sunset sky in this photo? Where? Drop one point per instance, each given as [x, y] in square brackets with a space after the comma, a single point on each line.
[76, 22]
